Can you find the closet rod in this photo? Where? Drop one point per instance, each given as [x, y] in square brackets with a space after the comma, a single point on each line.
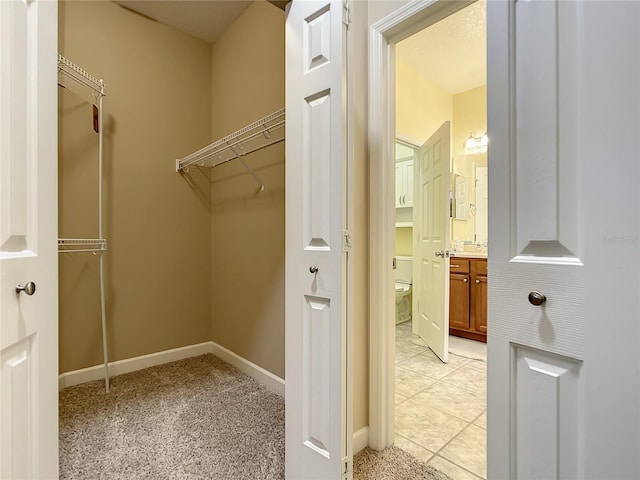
[259, 134]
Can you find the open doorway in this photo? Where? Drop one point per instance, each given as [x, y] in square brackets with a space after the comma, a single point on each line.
[440, 383]
[440, 110]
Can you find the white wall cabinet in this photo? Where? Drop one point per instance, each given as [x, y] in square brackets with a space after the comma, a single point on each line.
[404, 183]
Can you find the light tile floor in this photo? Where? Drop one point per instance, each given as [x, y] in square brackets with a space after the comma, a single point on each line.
[441, 409]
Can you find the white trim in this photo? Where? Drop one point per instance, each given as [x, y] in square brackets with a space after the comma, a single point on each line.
[360, 439]
[407, 20]
[134, 364]
[263, 376]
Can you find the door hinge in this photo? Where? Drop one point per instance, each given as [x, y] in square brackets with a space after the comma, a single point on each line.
[346, 13]
[347, 470]
[346, 241]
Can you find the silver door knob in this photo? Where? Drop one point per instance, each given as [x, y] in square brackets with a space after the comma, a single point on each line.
[313, 269]
[440, 254]
[537, 298]
[29, 288]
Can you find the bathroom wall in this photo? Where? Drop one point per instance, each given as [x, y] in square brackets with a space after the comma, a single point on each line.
[421, 106]
[157, 108]
[469, 115]
[247, 226]
[404, 241]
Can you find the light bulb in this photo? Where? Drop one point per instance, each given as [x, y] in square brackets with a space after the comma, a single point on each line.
[470, 143]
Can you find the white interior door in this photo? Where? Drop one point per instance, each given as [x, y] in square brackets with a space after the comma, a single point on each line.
[28, 247]
[431, 259]
[563, 118]
[318, 425]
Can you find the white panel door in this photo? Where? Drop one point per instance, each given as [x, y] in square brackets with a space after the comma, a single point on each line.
[316, 398]
[564, 119]
[28, 232]
[431, 263]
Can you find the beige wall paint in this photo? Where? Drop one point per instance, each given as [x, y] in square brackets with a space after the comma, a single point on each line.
[421, 106]
[247, 226]
[404, 241]
[158, 108]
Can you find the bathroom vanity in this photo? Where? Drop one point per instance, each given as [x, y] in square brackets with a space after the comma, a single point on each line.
[468, 297]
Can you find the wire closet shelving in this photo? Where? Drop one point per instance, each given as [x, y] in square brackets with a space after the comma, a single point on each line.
[81, 78]
[260, 134]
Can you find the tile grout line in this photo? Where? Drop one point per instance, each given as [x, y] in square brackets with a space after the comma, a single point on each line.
[451, 461]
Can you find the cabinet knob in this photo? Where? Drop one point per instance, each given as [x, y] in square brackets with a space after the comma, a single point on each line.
[465, 280]
[29, 288]
[477, 281]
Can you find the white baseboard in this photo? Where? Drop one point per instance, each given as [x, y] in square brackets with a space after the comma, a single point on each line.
[128, 365]
[360, 439]
[263, 376]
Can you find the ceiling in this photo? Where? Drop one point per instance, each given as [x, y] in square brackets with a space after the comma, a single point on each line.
[206, 20]
[451, 53]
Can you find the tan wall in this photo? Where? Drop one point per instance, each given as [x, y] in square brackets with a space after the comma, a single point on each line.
[421, 106]
[158, 108]
[360, 325]
[404, 241]
[247, 227]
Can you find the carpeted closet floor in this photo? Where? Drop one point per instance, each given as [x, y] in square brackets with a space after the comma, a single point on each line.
[198, 418]
[192, 419]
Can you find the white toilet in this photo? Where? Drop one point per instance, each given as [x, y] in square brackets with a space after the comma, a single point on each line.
[404, 276]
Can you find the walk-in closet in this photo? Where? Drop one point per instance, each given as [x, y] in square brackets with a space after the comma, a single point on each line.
[171, 228]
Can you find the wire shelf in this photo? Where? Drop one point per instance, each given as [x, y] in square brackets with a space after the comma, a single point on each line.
[69, 69]
[75, 245]
[261, 134]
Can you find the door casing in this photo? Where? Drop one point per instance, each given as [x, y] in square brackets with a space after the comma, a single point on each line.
[383, 36]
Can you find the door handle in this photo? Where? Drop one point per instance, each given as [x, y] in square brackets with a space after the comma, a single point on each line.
[313, 269]
[29, 288]
[537, 298]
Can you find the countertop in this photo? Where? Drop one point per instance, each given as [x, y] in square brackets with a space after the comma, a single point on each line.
[468, 254]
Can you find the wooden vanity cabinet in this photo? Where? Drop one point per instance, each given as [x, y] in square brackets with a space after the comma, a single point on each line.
[468, 298]
[459, 294]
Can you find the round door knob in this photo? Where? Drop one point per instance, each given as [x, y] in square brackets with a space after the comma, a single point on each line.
[537, 298]
[313, 269]
[29, 288]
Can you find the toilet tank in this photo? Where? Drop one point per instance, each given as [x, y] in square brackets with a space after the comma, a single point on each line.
[404, 269]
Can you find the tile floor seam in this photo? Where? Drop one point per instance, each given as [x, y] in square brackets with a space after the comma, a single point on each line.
[450, 441]
[436, 407]
[459, 466]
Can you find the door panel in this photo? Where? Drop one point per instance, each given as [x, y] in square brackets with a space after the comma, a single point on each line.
[28, 247]
[315, 359]
[557, 383]
[432, 273]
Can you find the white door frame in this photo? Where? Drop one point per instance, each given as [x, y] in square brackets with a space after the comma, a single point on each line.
[383, 35]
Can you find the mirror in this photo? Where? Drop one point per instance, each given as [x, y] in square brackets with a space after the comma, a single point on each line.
[469, 184]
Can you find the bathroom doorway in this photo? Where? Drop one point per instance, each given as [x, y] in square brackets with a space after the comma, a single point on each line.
[440, 400]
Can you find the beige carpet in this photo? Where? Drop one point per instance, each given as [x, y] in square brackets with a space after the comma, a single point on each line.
[198, 418]
[392, 464]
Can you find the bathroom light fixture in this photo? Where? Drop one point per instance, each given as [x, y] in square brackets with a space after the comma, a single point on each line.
[475, 144]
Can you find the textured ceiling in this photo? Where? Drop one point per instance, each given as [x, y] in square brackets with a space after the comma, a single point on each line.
[206, 20]
[451, 53]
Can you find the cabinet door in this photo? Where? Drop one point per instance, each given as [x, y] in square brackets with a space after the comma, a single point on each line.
[399, 184]
[479, 302]
[408, 184]
[459, 301]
